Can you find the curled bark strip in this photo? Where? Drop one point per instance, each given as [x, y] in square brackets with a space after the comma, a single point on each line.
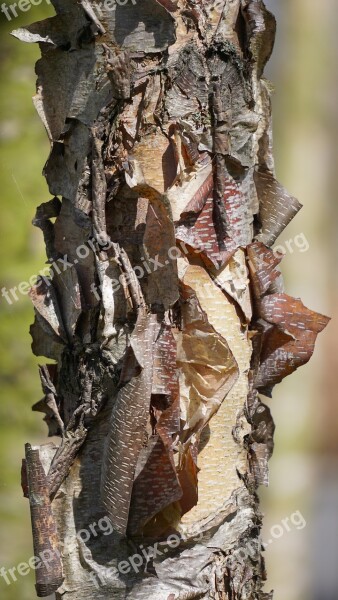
[46, 305]
[169, 5]
[202, 235]
[154, 489]
[91, 14]
[261, 25]
[290, 342]
[99, 191]
[128, 425]
[260, 439]
[49, 575]
[199, 199]
[263, 266]
[44, 213]
[50, 404]
[277, 207]
[290, 313]
[206, 362]
[156, 486]
[64, 458]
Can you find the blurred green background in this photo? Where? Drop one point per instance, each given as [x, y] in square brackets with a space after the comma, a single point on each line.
[302, 564]
[24, 148]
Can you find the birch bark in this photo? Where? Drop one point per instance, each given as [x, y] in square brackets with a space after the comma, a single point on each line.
[164, 313]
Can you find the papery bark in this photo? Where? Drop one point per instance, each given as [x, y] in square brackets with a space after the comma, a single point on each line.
[165, 311]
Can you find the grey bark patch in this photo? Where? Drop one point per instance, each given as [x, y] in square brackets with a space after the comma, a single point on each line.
[143, 26]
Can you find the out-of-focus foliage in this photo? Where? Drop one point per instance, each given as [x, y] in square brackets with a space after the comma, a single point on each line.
[303, 564]
[23, 151]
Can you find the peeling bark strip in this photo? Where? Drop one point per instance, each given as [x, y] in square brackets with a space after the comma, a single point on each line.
[49, 575]
[164, 313]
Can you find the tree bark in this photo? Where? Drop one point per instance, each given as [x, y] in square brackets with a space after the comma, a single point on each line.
[164, 312]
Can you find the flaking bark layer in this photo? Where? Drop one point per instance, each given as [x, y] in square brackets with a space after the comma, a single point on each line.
[164, 313]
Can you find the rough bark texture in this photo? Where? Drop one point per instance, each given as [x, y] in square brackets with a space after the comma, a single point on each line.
[164, 313]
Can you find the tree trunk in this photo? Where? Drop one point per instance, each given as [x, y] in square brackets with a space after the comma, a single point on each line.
[163, 311]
